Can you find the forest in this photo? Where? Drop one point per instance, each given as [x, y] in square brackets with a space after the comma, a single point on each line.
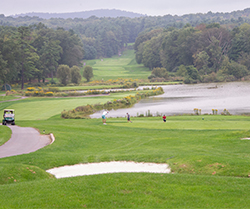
[36, 51]
[205, 53]
[194, 47]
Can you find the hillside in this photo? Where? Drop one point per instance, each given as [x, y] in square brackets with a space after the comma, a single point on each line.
[84, 15]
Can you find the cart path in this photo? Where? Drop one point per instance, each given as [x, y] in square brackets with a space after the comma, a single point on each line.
[23, 140]
[19, 98]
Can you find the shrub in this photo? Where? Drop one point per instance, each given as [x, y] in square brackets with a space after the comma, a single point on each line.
[28, 93]
[49, 93]
[31, 89]
[64, 74]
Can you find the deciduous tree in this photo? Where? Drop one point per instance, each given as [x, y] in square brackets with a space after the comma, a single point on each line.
[64, 74]
[88, 73]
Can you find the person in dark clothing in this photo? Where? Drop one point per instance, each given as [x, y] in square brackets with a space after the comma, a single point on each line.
[128, 118]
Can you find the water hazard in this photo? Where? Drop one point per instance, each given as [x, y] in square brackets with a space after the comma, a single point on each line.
[182, 99]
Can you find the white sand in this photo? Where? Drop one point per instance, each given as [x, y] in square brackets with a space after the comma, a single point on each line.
[108, 167]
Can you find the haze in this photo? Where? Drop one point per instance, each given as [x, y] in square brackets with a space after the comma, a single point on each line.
[148, 7]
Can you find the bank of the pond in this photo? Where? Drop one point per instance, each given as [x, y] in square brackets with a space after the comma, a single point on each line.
[186, 99]
[128, 101]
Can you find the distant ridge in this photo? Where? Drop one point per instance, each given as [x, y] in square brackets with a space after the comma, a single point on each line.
[85, 14]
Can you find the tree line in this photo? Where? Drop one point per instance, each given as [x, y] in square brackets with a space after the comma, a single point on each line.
[206, 53]
[105, 37]
[29, 52]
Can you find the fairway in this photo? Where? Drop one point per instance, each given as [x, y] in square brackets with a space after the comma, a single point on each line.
[206, 158]
[124, 66]
[36, 108]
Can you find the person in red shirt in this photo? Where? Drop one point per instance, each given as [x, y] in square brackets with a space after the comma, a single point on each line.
[164, 118]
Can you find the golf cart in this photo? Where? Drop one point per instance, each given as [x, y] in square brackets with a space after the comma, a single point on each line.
[8, 117]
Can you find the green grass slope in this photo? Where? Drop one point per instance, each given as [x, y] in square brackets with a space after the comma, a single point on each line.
[209, 161]
[124, 66]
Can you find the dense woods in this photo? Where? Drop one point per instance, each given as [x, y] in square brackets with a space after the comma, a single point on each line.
[204, 53]
[195, 47]
[35, 52]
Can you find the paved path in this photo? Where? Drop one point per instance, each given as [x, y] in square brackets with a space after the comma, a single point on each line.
[23, 141]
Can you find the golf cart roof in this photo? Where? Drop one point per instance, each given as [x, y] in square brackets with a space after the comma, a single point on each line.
[8, 110]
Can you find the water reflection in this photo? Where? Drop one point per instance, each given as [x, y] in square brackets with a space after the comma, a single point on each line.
[182, 99]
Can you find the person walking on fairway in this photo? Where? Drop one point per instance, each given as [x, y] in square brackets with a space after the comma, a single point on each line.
[128, 118]
[164, 118]
[104, 117]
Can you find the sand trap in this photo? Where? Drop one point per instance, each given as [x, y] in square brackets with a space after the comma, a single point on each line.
[108, 167]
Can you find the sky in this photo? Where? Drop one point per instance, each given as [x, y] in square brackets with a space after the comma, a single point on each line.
[148, 7]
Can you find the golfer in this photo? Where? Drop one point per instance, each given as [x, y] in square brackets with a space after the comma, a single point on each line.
[164, 118]
[104, 117]
[128, 118]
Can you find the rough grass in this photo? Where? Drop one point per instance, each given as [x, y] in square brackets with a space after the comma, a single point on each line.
[118, 67]
[16, 173]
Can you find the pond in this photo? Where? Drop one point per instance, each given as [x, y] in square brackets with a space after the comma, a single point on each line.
[183, 99]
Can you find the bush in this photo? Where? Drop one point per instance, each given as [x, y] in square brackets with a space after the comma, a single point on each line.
[31, 89]
[49, 93]
[64, 74]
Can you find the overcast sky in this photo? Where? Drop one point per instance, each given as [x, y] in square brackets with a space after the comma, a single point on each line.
[149, 7]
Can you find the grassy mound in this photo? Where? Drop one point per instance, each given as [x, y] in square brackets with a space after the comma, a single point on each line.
[16, 173]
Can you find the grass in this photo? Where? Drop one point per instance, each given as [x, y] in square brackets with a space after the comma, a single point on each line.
[124, 66]
[205, 155]
[70, 88]
[5, 134]
[36, 108]
[5, 98]
[129, 191]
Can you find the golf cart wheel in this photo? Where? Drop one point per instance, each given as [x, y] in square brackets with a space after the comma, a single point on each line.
[13, 123]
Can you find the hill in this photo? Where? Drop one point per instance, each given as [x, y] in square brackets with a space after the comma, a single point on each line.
[85, 14]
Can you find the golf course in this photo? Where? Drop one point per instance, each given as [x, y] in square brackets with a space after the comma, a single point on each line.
[208, 154]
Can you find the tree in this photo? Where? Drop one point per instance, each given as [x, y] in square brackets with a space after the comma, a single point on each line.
[182, 71]
[50, 55]
[88, 73]
[201, 61]
[26, 54]
[151, 53]
[75, 75]
[64, 74]
[160, 72]
[3, 69]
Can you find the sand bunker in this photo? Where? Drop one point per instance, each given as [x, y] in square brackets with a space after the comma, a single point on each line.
[108, 167]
